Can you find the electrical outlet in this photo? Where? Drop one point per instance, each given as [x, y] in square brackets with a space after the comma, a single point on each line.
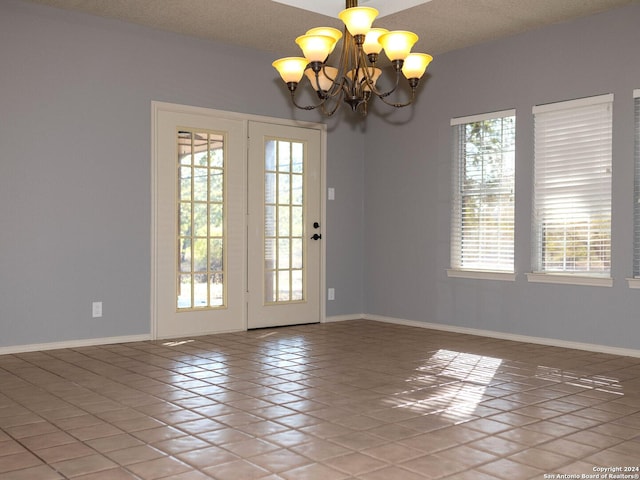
[96, 309]
[331, 294]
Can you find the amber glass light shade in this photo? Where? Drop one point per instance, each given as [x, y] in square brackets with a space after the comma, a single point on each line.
[371, 43]
[397, 44]
[354, 81]
[328, 32]
[316, 48]
[358, 20]
[290, 69]
[326, 76]
[415, 64]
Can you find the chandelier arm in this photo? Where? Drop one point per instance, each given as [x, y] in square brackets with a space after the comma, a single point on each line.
[336, 106]
[305, 107]
[380, 94]
[400, 105]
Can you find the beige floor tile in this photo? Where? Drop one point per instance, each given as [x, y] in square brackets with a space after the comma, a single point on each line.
[115, 442]
[595, 439]
[432, 442]
[319, 450]
[17, 461]
[472, 474]
[136, 454]
[181, 444]
[326, 430]
[83, 465]
[251, 448]
[10, 447]
[289, 438]
[529, 438]
[42, 472]
[46, 440]
[612, 457]
[395, 473]
[224, 436]
[615, 430]
[236, 470]
[467, 456]
[195, 427]
[357, 440]
[158, 468]
[356, 463]
[95, 431]
[507, 469]
[358, 399]
[64, 452]
[207, 457]
[191, 475]
[563, 446]
[543, 459]
[158, 434]
[313, 471]
[178, 416]
[110, 474]
[280, 460]
[31, 430]
[434, 465]
[393, 453]
[78, 421]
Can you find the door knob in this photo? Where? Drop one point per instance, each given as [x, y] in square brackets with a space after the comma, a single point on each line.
[316, 236]
[316, 225]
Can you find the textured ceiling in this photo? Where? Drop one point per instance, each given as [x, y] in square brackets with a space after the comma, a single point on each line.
[442, 25]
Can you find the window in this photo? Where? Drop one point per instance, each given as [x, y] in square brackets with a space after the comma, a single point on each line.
[482, 226]
[572, 187]
[636, 206]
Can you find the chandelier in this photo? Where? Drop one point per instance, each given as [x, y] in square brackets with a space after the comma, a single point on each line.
[354, 79]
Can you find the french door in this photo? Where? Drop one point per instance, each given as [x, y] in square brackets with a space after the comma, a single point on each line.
[284, 225]
[233, 222]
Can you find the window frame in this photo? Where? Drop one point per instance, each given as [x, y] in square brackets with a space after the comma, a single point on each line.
[575, 277]
[459, 157]
[634, 282]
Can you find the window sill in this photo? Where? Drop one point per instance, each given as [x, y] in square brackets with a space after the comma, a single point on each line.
[482, 275]
[570, 279]
[633, 282]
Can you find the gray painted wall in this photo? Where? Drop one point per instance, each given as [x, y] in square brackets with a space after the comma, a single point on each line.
[408, 185]
[75, 95]
[75, 110]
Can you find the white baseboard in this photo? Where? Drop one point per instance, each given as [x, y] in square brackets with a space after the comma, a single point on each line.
[627, 352]
[90, 342]
[344, 318]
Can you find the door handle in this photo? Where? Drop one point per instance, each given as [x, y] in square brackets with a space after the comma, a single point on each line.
[316, 236]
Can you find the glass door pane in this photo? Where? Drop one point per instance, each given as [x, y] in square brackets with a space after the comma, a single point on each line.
[201, 220]
[284, 221]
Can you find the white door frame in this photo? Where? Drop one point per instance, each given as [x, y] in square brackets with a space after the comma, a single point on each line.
[157, 107]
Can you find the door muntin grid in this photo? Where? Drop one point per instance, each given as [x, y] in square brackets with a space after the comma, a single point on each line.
[201, 212]
[284, 217]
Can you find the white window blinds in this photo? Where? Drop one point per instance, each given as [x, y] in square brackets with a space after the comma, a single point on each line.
[572, 187]
[636, 207]
[482, 226]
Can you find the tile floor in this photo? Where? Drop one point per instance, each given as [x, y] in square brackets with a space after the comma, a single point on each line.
[358, 399]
